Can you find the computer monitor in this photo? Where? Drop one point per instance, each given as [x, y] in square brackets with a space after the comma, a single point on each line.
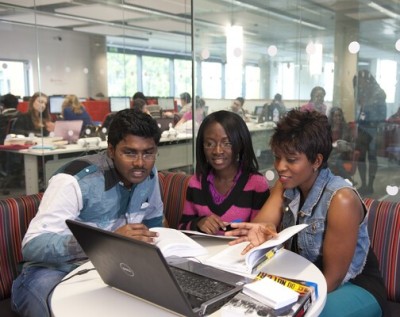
[166, 103]
[56, 104]
[119, 103]
[258, 110]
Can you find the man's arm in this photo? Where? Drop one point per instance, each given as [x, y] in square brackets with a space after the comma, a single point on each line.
[48, 239]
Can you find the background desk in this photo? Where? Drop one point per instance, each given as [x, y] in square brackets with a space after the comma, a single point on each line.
[87, 295]
[173, 152]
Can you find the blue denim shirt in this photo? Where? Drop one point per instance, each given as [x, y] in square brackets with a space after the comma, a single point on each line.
[314, 212]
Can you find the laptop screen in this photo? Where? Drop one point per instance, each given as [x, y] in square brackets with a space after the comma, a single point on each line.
[69, 130]
[56, 104]
[119, 103]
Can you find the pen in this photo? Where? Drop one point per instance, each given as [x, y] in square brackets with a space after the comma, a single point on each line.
[268, 256]
[229, 227]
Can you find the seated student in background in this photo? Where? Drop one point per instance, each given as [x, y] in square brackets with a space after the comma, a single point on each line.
[116, 190]
[342, 141]
[307, 192]
[317, 97]
[227, 186]
[237, 107]
[140, 105]
[139, 95]
[186, 103]
[185, 124]
[37, 119]
[72, 109]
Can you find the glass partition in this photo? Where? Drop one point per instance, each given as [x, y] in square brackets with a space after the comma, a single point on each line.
[217, 50]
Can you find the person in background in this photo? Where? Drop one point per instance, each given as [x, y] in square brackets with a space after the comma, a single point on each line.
[9, 104]
[371, 111]
[273, 111]
[186, 122]
[37, 119]
[343, 142]
[307, 192]
[9, 112]
[140, 105]
[72, 109]
[316, 102]
[137, 104]
[186, 103]
[139, 95]
[237, 107]
[227, 186]
[116, 190]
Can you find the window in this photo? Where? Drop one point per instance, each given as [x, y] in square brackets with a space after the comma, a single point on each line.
[155, 76]
[14, 78]
[122, 74]
[211, 79]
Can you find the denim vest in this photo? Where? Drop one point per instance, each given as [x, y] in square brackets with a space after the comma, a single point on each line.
[314, 212]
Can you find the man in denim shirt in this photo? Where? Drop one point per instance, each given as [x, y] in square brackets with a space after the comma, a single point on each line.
[116, 190]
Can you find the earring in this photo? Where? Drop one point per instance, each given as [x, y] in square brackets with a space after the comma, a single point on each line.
[315, 169]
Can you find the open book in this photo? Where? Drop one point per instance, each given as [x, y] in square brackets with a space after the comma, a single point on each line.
[231, 259]
[173, 242]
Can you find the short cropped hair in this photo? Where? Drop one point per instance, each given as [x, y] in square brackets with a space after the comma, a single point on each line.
[241, 100]
[186, 97]
[238, 134]
[132, 122]
[9, 101]
[304, 132]
[138, 104]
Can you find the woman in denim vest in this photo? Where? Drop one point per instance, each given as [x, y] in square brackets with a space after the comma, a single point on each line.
[336, 240]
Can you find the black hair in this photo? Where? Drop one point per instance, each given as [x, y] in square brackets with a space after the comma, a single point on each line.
[186, 97]
[139, 95]
[134, 122]
[138, 104]
[9, 101]
[238, 134]
[305, 132]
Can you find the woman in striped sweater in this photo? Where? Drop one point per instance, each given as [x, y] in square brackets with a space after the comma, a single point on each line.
[226, 186]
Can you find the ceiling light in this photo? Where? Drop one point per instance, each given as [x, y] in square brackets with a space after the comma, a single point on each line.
[383, 10]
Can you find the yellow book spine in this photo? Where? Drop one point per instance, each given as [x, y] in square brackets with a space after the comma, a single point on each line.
[299, 288]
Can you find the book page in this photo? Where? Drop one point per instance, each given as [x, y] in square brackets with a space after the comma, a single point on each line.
[198, 233]
[173, 242]
[232, 259]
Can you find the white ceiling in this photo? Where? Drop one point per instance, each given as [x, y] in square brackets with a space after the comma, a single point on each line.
[164, 25]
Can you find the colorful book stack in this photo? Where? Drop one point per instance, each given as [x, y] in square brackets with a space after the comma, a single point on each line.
[244, 305]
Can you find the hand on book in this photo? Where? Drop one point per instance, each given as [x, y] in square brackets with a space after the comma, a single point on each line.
[137, 231]
[254, 233]
[211, 224]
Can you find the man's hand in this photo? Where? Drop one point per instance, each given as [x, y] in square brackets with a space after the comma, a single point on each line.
[254, 233]
[137, 231]
[211, 224]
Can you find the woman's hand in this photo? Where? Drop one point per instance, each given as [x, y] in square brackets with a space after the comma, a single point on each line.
[254, 233]
[50, 126]
[211, 224]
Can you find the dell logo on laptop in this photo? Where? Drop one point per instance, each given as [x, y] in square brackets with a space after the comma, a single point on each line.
[126, 269]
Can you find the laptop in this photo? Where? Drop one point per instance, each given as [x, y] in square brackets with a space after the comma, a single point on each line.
[163, 123]
[138, 268]
[69, 130]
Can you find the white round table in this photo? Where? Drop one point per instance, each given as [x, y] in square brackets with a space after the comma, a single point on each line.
[87, 295]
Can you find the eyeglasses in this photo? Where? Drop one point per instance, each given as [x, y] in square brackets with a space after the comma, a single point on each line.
[213, 145]
[149, 157]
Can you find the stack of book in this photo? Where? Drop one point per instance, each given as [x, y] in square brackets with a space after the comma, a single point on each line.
[247, 305]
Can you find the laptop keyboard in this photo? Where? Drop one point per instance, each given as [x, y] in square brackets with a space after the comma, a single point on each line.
[200, 287]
